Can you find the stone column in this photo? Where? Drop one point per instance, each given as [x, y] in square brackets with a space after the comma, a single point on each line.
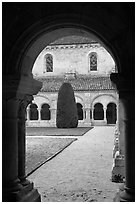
[127, 120]
[39, 114]
[53, 115]
[105, 114]
[22, 139]
[128, 195]
[28, 115]
[83, 113]
[87, 119]
[10, 181]
[14, 90]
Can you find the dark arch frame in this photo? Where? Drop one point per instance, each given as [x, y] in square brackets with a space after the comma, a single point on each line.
[25, 63]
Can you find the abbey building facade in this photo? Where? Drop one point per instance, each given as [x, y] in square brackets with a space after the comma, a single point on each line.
[87, 65]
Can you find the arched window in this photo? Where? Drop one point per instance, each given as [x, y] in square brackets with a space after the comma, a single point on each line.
[45, 112]
[80, 111]
[98, 112]
[93, 61]
[111, 113]
[33, 112]
[49, 63]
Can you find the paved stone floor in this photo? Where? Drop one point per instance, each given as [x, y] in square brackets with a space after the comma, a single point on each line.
[82, 172]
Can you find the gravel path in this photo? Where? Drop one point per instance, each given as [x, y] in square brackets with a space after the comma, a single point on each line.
[82, 172]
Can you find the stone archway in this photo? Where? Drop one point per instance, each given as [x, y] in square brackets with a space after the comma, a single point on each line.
[18, 70]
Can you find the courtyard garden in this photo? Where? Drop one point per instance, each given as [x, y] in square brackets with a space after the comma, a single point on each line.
[46, 143]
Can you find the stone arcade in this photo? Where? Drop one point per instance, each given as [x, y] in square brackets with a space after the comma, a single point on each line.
[87, 66]
[27, 29]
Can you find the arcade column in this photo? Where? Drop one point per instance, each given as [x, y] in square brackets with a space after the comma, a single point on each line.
[22, 138]
[127, 99]
[105, 114]
[11, 185]
[15, 187]
[87, 119]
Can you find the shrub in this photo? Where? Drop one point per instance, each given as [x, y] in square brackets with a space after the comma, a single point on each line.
[66, 107]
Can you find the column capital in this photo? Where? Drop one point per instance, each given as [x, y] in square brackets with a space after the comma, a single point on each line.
[23, 103]
[123, 83]
[19, 86]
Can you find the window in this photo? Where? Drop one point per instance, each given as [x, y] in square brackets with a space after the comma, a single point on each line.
[33, 112]
[49, 63]
[98, 112]
[93, 61]
[45, 112]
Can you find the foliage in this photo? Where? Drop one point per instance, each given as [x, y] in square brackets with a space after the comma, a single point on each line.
[66, 107]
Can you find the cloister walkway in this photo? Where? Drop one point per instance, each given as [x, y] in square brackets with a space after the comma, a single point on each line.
[82, 172]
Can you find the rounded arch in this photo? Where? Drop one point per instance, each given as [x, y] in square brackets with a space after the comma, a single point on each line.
[92, 57]
[80, 111]
[48, 58]
[33, 111]
[98, 112]
[45, 111]
[79, 99]
[44, 32]
[111, 113]
[104, 99]
[39, 100]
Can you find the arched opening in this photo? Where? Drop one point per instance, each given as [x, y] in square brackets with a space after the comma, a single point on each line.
[98, 112]
[48, 63]
[108, 31]
[45, 112]
[80, 111]
[111, 114]
[33, 112]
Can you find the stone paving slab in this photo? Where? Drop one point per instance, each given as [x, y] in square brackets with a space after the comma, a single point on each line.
[82, 172]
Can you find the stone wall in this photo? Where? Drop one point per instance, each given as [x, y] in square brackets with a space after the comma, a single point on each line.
[74, 58]
[86, 99]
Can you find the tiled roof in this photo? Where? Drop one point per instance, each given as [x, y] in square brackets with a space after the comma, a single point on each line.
[52, 84]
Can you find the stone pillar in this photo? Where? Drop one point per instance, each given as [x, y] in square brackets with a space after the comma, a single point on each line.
[127, 99]
[83, 113]
[10, 181]
[13, 189]
[39, 114]
[128, 195]
[105, 114]
[22, 139]
[87, 119]
[53, 114]
[28, 115]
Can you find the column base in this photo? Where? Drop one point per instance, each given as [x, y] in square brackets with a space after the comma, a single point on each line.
[125, 195]
[25, 194]
[118, 169]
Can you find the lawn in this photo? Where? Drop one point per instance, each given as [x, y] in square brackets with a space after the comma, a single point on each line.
[40, 150]
[53, 131]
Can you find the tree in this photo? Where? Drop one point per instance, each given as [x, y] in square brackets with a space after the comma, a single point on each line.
[66, 107]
